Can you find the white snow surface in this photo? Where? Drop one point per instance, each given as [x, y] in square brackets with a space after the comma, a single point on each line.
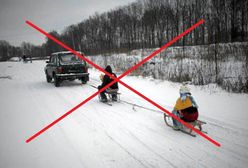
[101, 136]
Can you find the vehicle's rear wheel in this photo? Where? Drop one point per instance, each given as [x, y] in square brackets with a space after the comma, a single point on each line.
[48, 78]
[84, 81]
[56, 81]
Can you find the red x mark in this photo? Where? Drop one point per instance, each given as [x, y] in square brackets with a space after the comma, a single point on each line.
[118, 80]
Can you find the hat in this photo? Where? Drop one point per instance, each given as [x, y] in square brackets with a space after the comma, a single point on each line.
[184, 89]
[108, 69]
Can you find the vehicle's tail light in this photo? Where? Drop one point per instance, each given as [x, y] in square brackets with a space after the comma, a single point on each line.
[60, 70]
[85, 69]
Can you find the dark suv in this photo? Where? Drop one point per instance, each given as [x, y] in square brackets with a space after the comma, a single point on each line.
[66, 66]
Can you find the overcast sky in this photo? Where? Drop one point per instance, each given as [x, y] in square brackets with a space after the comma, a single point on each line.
[48, 15]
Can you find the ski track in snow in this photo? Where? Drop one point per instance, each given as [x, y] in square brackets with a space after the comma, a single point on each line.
[97, 135]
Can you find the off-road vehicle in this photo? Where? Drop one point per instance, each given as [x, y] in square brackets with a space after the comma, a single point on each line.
[66, 66]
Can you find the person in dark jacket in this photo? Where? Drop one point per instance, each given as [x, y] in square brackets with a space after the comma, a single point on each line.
[24, 58]
[105, 81]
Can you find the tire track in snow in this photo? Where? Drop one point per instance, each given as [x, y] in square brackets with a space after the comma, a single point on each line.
[129, 153]
[133, 138]
[34, 91]
[99, 125]
[69, 143]
[147, 147]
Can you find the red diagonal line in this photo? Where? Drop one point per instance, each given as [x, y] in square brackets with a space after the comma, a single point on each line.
[118, 79]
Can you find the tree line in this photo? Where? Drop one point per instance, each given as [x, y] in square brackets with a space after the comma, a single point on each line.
[148, 24]
[152, 23]
[8, 51]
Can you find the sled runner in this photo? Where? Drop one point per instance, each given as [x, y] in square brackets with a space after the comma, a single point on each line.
[196, 124]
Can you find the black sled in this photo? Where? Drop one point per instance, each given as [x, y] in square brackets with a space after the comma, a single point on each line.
[110, 97]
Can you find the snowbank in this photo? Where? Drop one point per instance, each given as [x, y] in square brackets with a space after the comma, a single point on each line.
[224, 64]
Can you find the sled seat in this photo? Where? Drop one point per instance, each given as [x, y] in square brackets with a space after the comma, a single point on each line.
[111, 92]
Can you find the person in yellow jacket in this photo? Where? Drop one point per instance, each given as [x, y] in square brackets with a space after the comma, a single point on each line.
[185, 108]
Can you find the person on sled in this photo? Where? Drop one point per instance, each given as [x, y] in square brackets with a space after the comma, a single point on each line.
[105, 81]
[185, 108]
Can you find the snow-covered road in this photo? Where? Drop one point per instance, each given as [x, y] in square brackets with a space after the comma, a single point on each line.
[98, 135]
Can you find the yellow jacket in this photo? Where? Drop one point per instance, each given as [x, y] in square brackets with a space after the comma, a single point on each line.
[180, 105]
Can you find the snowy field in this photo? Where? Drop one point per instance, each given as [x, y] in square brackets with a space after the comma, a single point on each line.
[120, 136]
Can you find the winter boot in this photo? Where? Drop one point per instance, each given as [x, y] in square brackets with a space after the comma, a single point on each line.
[176, 128]
[114, 97]
[103, 97]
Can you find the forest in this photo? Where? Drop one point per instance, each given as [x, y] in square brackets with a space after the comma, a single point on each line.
[147, 24]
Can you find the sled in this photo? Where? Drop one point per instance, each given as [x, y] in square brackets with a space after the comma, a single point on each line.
[196, 124]
[109, 93]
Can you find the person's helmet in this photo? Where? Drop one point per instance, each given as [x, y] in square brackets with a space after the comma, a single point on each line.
[184, 89]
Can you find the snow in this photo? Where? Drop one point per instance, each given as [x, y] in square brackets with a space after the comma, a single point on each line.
[98, 135]
[14, 59]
